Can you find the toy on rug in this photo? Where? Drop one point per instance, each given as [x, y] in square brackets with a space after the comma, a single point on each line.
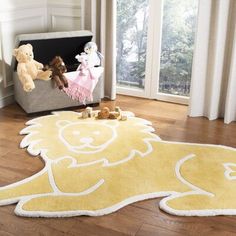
[82, 86]
[121, 116]
[28, 69]
[58, 67]
[88, 113]
[105, 113]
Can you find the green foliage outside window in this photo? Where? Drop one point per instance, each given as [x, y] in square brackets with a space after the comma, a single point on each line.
[178, 32]
[131, 40]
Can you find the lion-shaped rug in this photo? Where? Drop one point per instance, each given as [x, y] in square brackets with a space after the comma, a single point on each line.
[95, 167]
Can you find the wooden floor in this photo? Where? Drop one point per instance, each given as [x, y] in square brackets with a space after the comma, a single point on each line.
[142, 218]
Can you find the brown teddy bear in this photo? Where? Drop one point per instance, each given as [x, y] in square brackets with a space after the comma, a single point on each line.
[58, 67]
[105, 113]
[28, 69]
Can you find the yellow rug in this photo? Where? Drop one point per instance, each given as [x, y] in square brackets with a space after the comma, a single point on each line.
[95, 167]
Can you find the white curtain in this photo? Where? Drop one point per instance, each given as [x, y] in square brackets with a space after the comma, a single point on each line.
[100, 18]
[213, 86]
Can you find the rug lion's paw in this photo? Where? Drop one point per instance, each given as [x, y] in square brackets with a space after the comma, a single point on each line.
[191, 205]
[36, 184]
[60, 206]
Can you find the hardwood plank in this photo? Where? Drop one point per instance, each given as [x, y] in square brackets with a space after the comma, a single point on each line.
[116, 222]
[151, 230]
[13, 225]
[92, 229]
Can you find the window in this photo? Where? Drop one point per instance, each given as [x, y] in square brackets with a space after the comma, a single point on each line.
[155, 42]
[132, 26]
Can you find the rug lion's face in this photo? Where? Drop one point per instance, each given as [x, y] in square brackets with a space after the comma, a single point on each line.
[89, 137]
[87, 140]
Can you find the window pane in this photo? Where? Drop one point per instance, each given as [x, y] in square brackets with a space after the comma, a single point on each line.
[178, 32]
[132, 17]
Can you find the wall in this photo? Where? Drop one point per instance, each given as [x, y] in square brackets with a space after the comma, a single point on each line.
[65, 15]
[30, 16]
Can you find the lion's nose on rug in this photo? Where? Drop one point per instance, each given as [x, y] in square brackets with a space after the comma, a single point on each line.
[86, 140]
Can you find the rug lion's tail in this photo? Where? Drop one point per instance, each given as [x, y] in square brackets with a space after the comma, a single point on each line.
[36, 184]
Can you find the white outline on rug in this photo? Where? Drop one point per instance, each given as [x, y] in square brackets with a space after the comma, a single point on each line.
[168, 194]
[229, 171]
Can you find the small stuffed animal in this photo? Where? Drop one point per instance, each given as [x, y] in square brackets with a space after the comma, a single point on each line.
[105, 113]
[28, 69]
[88, 113]
[57, 66]
[94, 56]
[89, 58]
[83, 67]
[123, 118]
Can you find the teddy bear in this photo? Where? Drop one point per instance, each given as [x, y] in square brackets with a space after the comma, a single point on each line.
[29, 69]
[58, 67]
[105, 113]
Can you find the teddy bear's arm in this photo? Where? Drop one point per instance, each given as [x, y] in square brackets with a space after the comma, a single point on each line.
[38, 65]
[25, 77]
[64, 80]
[58, 81]
[22, 72]
[21, 69]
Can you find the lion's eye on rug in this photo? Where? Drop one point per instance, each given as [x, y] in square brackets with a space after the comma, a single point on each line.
[95, 167]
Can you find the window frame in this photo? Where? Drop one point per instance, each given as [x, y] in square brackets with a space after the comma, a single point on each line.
[152, 72]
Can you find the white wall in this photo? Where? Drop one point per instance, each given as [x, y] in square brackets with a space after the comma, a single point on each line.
[30, 16]
[65, 15]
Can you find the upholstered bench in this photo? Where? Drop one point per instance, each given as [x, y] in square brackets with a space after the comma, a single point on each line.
[45, 96]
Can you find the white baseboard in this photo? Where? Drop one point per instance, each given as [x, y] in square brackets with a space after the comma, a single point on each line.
[7, 100]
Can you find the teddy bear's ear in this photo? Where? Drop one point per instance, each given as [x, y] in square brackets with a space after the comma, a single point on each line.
[15, 51]
[30, 46]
